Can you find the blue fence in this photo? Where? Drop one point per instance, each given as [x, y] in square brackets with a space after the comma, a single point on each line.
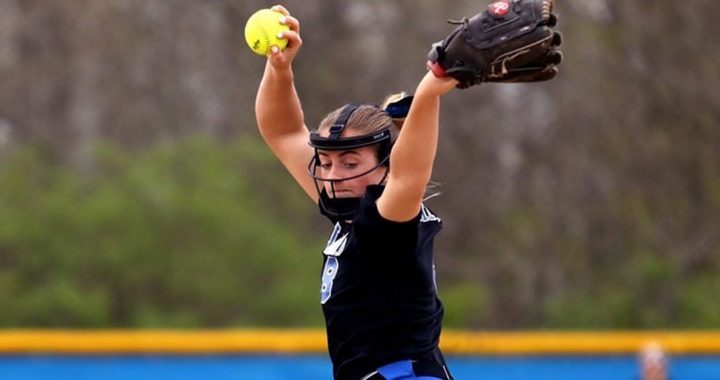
[306, 367]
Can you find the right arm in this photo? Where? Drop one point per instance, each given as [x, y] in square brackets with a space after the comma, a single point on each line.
[279, 113]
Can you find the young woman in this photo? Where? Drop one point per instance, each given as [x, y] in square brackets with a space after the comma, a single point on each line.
[369, 177]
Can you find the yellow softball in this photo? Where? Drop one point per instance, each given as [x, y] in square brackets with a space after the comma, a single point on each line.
[262, 29]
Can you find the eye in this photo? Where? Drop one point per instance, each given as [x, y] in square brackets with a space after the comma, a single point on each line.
[325, 165]
[350, 165]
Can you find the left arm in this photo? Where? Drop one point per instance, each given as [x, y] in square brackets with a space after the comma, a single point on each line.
[413, 154]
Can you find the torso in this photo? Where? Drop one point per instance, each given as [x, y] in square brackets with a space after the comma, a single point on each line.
[378, 290]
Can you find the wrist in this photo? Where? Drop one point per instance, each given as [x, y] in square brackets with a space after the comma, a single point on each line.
[280, 73]
[432, 85]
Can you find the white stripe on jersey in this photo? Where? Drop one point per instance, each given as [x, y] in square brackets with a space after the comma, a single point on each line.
[427, 215]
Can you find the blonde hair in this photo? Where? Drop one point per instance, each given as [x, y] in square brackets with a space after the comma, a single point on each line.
[368, 119]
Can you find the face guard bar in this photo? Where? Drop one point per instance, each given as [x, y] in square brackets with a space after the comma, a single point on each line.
[330, 205]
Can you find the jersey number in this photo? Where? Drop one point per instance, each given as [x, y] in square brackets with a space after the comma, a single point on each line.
[329, 272]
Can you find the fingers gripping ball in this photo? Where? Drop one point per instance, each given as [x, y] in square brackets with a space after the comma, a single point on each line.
[261, 31]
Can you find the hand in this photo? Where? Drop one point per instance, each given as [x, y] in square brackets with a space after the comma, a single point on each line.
[282, 60]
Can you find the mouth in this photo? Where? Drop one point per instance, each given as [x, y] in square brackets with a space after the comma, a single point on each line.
[343, 193]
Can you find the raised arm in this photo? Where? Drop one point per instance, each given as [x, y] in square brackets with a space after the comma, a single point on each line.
[413, 154]
[278, 111]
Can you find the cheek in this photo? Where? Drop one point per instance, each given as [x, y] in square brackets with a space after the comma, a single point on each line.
[372, 178]
[378, 174]
[361, 183]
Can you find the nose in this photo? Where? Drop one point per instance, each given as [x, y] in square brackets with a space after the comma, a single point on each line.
[335, 173]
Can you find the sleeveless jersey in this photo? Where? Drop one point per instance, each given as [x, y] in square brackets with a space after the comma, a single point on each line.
[378, 290]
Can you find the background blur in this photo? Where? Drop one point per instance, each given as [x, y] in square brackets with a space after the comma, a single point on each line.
[136, 192]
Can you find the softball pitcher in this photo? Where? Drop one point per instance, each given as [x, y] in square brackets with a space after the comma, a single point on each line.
[368, 167]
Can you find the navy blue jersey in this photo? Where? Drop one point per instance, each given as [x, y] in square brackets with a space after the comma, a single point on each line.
[378, 290]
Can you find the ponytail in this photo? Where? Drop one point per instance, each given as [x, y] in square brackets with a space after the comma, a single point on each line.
[397, 107]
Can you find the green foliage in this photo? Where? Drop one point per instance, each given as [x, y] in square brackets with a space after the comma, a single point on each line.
[198, 234]
[173, 237]
[465, 305]
[589, 201]
[696, 306]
